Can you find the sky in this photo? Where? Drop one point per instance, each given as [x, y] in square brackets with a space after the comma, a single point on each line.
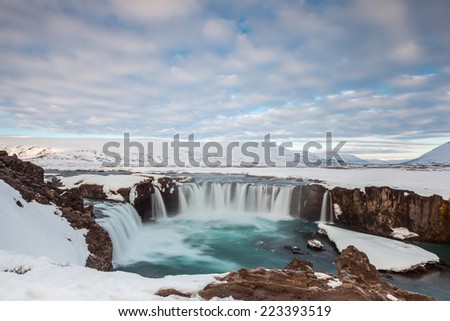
[374, 73]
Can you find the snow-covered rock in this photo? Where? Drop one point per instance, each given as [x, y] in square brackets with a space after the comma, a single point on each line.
[402, 233]
[315, 245]
[385, 254]
[111, 183]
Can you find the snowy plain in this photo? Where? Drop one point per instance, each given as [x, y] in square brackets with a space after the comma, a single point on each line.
[87, 155]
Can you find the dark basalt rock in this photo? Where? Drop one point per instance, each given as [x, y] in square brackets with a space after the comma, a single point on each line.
[169, 192]
[306, 201]
[357, 280]
[142, 202]
[379, 208]
[28, 179]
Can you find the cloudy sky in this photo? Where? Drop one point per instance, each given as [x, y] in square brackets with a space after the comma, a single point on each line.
[375, 73]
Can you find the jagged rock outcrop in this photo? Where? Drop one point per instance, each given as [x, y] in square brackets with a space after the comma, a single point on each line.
[357, 280]
[169, 193]
[379, 209]
[28, 179]
[142, 194]
[92, 191]
[307, 201]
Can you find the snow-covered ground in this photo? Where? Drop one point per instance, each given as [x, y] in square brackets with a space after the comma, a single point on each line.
[384, 253]
[422, 182]
[38, 230]
[47, 280]
[87, 154]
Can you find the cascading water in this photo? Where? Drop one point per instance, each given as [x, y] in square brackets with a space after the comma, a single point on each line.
[158, 207]
[207, 198]
[326, 212]
[121, 221]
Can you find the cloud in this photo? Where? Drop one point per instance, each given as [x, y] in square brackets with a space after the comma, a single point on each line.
[148, 10]
[219, 31]
[226, 69]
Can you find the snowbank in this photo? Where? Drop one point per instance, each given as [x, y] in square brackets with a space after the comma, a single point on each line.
[49, 281]
[38, 230]
[111, 183]
[385, 254]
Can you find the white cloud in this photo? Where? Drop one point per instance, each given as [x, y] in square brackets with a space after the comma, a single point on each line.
[223, 69]
[219, 31]
[147, 10]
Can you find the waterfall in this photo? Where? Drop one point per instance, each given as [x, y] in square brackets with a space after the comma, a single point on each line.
[326, 212]
[211, 197]
[158, 207]
[121, 221]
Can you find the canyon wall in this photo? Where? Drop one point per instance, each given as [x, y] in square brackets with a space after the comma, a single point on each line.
[378, 209]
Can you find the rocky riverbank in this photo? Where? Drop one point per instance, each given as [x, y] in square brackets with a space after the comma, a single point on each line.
[357, 279]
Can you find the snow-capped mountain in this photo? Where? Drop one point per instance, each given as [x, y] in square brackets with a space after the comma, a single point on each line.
[89, 153]
[440, 156]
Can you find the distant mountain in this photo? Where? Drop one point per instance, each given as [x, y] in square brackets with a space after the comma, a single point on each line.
[439, 156]
[349, 159]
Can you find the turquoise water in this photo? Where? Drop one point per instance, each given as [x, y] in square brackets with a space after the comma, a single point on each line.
[192, 246]
[195, 245]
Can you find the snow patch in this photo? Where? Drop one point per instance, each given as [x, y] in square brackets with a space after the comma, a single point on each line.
[385, 254]
[337, 210]
[334, 283]
[38, 230]
[133, 194]
[390, 297]
[322, 276]
[402, 233]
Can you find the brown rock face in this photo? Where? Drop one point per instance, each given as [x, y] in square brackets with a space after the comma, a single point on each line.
[144, 190]
[28, 179]
[143, 200]
[169, 193]
[357, 280]
[354, 265]
[306, 201]
[91, 191]
[379, 208]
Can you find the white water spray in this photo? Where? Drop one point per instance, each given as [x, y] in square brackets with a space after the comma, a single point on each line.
[122, 223]
[326, 212]
[208, 198]
[158, 207]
